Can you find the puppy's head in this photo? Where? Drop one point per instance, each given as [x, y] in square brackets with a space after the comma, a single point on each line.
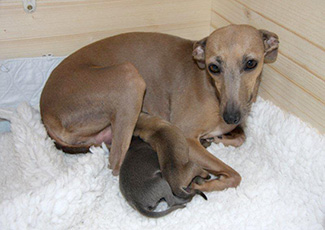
[234, 56]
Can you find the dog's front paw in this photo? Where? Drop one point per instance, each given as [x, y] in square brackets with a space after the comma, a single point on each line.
[234, 138]
[206, 142]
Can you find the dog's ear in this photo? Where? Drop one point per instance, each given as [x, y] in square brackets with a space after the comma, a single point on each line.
[199, 52]
[271, 46]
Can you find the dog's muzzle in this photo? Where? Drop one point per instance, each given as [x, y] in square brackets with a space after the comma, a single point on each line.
[232, 117]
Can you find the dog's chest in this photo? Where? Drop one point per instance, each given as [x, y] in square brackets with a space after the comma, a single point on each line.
[208, 122]
[198, 117]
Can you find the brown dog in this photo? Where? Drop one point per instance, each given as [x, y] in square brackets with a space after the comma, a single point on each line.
[204, 88]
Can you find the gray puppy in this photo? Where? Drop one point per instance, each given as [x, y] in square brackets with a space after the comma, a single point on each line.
[142, 184]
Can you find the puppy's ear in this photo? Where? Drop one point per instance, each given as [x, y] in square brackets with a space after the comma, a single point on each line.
[199, 52]
[271, 45]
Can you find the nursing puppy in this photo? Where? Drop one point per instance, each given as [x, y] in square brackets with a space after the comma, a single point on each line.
[142, 184]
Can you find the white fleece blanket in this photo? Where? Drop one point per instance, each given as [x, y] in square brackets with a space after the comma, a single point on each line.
[282, 165]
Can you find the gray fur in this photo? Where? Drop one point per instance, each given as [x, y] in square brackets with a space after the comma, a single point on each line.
[142, 184]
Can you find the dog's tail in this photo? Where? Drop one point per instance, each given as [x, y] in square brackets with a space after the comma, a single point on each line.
[153, 214]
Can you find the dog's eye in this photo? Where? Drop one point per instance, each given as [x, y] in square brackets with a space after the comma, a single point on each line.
[250, 64]
[214, 68]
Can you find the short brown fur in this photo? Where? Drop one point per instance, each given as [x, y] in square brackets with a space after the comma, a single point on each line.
[105, 91]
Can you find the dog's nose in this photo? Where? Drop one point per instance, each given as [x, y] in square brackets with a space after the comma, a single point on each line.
[232, 117]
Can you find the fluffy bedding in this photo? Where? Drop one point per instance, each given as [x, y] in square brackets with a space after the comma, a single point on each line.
[282, 164]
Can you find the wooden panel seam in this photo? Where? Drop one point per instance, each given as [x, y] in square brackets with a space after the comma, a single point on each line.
[179, 26]
[311, 118]
[41, 4]
[306, 91]
[266, 95]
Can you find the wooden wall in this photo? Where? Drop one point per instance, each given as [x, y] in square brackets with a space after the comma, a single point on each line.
[296, 82]
[62, 26]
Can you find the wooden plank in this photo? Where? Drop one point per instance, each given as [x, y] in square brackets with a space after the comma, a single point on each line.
[304, 18]
[61, 20]
[300, 51]
[217, 22]
[64, 45]
[300, 78]
[292, 99]
[74, 19]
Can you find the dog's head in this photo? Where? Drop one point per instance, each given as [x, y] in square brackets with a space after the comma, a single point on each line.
[234, 56]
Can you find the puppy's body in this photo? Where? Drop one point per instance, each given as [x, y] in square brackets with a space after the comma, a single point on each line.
[142, 183]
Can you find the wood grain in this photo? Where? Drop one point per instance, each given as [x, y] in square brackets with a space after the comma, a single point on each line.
[61, 27]
[285, 94]
[306, 19]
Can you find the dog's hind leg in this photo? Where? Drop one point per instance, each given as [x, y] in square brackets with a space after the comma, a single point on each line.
[93, 105]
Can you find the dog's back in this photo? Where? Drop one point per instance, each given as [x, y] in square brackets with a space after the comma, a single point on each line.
[141, 181]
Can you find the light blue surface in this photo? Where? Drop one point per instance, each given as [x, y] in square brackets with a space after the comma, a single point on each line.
[22, 80]
[4, 126]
